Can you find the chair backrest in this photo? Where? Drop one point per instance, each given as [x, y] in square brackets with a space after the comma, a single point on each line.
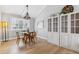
[26, 35]
[17, 35]
[33, 34]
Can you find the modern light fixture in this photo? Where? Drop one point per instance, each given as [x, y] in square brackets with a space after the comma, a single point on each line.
[27, 14]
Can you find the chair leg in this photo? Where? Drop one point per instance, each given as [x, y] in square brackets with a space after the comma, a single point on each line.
[23, 41]
[35, 39]
[17, 42]
[29, 40]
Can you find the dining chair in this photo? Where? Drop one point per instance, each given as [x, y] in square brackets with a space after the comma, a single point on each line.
[33, 37]
[25, 38]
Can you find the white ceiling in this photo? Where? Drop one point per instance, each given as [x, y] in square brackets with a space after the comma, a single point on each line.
[34, 10]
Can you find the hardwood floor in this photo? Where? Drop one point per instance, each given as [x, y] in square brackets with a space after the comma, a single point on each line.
[41, 47]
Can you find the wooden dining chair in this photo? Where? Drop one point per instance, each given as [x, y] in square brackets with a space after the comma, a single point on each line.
[33, 37]
[25, 38]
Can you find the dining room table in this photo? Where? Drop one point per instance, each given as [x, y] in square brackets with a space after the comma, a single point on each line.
[29, 37]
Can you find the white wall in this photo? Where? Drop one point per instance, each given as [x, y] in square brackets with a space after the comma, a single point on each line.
[50, 9]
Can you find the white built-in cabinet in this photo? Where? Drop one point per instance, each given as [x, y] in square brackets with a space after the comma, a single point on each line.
[53, 30]
[65, 31]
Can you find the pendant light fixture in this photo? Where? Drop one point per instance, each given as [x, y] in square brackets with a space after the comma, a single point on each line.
[27, 14]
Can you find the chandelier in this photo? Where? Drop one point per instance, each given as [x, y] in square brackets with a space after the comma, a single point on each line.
[27, 14]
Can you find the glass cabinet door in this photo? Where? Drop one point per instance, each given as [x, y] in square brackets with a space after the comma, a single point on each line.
[55, 24]
[64, 24]
[72, 23]
[75, 23]
[49, 25]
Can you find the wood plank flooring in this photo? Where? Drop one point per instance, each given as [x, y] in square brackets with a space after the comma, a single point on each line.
[41, 47]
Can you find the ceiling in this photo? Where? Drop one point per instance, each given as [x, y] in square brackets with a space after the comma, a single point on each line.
[34, 10]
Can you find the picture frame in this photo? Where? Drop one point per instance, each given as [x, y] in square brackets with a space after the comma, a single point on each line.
[40, 24]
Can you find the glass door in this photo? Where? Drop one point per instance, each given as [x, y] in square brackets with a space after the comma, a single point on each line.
[74, 31]
[49, 25]
[55, 30]
[64, 33]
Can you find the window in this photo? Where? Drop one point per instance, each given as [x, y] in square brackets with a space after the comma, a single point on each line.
[64, 24]
[55, 24]
[49, 25]
[20, 23]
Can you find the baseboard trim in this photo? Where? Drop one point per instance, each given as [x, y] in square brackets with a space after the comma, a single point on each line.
[11, 38]
[42, 37]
